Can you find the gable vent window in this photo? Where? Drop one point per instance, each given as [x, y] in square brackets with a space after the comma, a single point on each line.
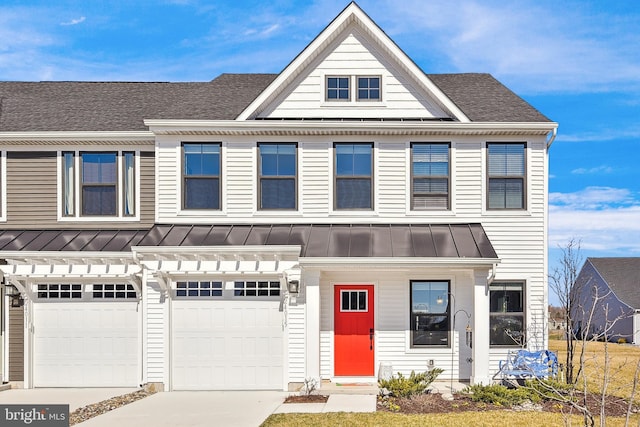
[368, 89]
[338, 88]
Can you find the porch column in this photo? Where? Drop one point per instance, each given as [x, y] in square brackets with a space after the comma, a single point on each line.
[312, 327]
[481, 373]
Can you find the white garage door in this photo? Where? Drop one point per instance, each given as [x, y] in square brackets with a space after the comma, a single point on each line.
[235, 343]
[85, 344]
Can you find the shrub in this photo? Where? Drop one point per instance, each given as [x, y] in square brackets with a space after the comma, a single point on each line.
[401, 386]
[497, 394]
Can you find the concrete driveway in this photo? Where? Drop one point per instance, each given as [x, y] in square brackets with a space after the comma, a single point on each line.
[75, 397]
[194, 408]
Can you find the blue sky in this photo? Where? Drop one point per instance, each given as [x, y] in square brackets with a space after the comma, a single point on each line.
[577, 61]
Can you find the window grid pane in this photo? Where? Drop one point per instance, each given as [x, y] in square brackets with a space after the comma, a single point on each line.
[353, 300]
[113, 291]
[338, 88]
[205, 288]
[369, 88]
[59, 291]
[256, 288]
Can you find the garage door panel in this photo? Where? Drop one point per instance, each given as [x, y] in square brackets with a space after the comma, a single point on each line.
[82, 344]
[227, 345]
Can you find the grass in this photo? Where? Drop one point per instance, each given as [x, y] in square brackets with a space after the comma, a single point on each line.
[623, 359]
[622, 365]
[476, 419]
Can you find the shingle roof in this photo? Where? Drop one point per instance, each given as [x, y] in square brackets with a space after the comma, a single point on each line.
[482, 98]
[623, 277]
[118, 106]
[316, 240]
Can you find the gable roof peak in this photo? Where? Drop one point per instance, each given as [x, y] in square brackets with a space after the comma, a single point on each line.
[352, 14]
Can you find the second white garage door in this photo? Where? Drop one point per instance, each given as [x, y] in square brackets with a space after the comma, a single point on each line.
[234, 344]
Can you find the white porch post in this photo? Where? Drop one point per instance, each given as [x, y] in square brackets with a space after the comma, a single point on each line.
[312, 324]
[481, 373]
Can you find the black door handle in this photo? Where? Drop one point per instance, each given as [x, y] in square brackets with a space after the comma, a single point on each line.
[371, 339]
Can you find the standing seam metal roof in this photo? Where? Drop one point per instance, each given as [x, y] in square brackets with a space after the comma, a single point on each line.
[316, 240]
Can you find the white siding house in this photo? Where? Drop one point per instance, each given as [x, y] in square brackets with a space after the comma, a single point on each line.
[348, 212]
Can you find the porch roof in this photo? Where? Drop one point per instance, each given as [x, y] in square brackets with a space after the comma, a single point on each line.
[467, 240]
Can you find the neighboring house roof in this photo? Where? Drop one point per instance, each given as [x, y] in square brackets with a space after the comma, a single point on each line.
[120, 106]
[317, 240]
[622, 275]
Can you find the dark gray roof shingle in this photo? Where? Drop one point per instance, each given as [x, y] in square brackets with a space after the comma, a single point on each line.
[623, 277]
[482, 98]
[120, 106]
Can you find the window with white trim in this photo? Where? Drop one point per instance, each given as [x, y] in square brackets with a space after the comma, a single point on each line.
[506, 314]
[506, 175]
[98, 184]
[195, 288]
[277, 176]
[429, 313]
[353, 180]
[261, 288]
[201, 175]
[429, 176]
[369, 88]
[338, 88]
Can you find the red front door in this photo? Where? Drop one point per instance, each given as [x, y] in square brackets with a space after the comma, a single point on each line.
[354, 330]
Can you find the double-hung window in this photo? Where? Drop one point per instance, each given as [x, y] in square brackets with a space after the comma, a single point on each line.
[430, 176]
[506, 317]
[201, 176]
[429, 313]
[277, 169]
[353, 176]
[506, 175]
[98, 184]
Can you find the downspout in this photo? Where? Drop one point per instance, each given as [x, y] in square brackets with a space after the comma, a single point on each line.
[554, 133]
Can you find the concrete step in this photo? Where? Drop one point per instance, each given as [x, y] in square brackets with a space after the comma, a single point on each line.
[329, 388]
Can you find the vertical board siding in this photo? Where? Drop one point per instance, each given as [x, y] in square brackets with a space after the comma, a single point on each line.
[155, 339]
[296, 343]
[392, 169]
[16, 343]
[240, 180]
[32, 193]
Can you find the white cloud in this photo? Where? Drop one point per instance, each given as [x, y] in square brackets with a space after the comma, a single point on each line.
[602, 218]
[536, 46]
[74, 21]
[604, 169]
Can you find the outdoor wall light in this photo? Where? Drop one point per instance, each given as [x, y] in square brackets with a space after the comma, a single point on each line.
[293, 286]
[11, 291]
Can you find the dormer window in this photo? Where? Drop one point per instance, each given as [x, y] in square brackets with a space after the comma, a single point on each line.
[368, 89]
[338, 88]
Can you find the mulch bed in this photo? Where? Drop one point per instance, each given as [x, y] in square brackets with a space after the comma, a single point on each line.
[311, 398]
[434, 403]
[95, 409]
